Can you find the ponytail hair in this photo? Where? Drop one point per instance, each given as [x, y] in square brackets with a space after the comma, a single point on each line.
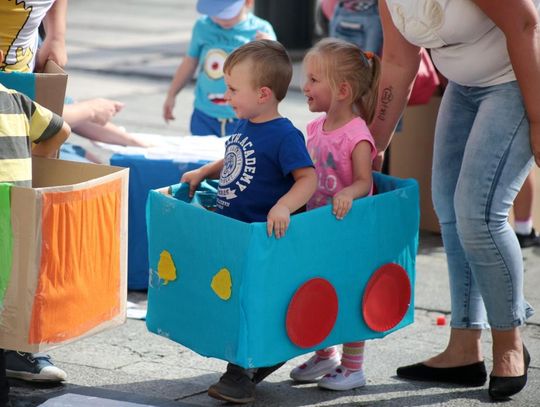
[345, 62]
[367, 103]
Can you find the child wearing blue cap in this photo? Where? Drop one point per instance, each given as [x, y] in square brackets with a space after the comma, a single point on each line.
[224, 26]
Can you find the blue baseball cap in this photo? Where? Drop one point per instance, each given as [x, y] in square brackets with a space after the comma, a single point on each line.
[224, 9]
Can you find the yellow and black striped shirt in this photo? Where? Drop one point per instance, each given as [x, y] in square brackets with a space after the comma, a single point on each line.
[22, 121]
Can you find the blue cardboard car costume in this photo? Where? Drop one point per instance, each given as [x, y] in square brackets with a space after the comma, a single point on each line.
[224, 289]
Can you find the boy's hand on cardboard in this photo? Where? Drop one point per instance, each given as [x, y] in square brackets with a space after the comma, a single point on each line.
[278, 220]
[194, 179]
[341, 204]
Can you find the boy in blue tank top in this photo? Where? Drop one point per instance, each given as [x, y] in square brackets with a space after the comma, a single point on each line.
[266, 174]
[226, 25]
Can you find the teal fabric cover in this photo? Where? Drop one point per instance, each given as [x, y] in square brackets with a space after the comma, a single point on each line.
[20, 81]
[249, 328]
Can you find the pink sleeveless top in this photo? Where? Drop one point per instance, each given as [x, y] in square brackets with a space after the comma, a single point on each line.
[331, 153]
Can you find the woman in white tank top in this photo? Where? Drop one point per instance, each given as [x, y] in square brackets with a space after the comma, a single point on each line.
[487, 139]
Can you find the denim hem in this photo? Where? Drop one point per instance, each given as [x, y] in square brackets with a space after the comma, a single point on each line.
[475, 326]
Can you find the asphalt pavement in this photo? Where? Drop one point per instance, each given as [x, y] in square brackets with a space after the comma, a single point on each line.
[128, 50]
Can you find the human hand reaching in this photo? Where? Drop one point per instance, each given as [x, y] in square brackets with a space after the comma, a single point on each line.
[102, 110]
[51, 49]
[278, 220]
[194, 179]
[168, 108]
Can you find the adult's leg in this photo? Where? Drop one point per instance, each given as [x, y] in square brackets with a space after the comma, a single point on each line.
[495, 164]
[456, 118]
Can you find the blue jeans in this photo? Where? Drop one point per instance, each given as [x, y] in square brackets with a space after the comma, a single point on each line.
[481, 158]
[204, 125]
[362, 27]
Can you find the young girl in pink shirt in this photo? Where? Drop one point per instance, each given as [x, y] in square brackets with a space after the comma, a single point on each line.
[342, 82]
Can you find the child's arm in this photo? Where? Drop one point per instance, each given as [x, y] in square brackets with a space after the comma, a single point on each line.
[183, 74]
[194, 178]
[305, 184]
[362, 179]
[49, 147]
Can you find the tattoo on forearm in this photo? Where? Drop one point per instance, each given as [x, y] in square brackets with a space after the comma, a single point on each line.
[386, 98]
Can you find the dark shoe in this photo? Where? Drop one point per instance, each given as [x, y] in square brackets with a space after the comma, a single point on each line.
[501, 388]
[470, 375]
[532, 239]
[33, 367]
[235, 386]
[263, 372]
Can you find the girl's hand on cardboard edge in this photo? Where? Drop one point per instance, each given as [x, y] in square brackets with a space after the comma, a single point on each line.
[193, 178]
[278, 220]
[341, 204]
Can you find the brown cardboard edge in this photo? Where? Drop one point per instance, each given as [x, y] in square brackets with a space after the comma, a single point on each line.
[55, 173]
[51, 87]
[26, 226]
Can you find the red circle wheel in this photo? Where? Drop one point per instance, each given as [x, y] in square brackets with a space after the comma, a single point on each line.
[312, 313]
[387, 297]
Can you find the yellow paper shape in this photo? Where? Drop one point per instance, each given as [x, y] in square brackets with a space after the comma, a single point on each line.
[166, 268]
[222, 284]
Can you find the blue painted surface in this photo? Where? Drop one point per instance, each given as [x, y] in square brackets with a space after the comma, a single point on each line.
[145, 175]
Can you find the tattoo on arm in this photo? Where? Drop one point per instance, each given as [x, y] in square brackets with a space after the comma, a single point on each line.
[386, 98]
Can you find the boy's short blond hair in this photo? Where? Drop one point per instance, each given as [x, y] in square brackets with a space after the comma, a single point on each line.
[271, 65]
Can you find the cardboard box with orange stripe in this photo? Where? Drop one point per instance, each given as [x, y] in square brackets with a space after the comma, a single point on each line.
[63, 251]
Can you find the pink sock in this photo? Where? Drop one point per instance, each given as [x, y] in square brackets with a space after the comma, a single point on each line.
[353, 355]
[327, 353]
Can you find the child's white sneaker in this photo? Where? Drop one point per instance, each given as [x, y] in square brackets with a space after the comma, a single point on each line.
[314, 368]
[343, 379]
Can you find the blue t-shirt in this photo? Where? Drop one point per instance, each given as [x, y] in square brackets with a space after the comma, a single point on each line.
[211, 44]
[257, 171]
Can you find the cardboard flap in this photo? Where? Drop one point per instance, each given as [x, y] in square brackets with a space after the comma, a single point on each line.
[47, 172]
[47, 88]
[51, 87]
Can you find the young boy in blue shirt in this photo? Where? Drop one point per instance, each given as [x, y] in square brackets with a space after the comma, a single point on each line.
[226, 25]
[266, 174]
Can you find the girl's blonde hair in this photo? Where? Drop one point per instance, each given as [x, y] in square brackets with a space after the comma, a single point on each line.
[341, 62]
